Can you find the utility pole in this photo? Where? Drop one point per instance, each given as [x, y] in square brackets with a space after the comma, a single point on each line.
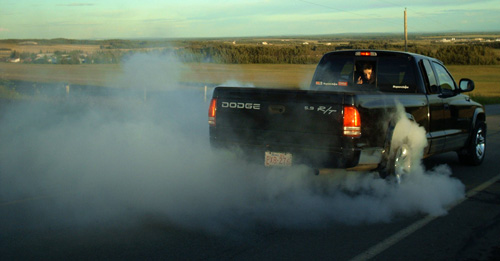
[406, 33]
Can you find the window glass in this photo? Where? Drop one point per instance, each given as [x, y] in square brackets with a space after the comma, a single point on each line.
[431, 78]
[384, 73]
[334, 72]
[445, 80]
[395, 74]
[365, 72]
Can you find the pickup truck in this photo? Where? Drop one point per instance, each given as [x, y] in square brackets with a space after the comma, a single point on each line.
[347, 117]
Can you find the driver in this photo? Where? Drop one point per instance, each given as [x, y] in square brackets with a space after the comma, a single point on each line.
[367, 77]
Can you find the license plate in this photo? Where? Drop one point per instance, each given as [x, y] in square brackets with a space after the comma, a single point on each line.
[278, 159]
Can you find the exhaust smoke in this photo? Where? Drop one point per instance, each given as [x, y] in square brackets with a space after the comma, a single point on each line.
[92, 164]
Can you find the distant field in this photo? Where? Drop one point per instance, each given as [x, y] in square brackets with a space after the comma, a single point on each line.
[74, 74]
[107, 75]
[35, 48]
[487, 78]
[6, 48]
[261, 75]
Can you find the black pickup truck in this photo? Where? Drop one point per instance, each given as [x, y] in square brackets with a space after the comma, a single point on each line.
[348, 116]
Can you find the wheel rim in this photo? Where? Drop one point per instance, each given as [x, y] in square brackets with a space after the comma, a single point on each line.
[402, 163]
[480, 143]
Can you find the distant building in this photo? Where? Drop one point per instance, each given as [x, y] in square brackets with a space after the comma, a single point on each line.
[44, 55]
[28, 43]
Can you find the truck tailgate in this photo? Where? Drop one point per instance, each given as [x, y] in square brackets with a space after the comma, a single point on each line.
[278, 117]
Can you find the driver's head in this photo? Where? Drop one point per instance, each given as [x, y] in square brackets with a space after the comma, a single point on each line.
[367, 70]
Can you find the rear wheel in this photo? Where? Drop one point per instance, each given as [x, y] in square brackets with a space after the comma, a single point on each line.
[407, 142]
[399, 164]
[473, 153]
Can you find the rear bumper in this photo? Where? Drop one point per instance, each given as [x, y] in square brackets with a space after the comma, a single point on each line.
[337, 158]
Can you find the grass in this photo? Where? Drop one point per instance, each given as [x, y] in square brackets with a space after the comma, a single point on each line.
[486, 77]
[107, 75]
[261, 75]
[485, 99]
[97, 75]
[9, 93]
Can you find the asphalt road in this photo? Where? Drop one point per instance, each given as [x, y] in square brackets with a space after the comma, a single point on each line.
[469, 231]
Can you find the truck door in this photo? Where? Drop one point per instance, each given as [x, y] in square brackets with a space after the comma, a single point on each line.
[456, 109]
[436, 133]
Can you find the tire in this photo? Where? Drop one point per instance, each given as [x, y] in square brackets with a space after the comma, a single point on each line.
[473, 154]
[399, 164]
[406, 147]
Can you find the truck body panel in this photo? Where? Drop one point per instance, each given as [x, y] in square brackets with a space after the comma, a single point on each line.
[309, 126]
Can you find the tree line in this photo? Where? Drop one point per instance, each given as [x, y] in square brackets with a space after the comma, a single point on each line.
[228, 53]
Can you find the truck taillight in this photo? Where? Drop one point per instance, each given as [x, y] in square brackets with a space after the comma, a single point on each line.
[352, 122]
[212, 110]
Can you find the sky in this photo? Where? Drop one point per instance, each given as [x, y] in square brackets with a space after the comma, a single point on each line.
[106, 19]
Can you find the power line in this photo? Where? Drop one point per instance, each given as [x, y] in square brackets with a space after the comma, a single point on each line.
[428, 19]
[419, 13]
[328, 7]
[346, 11]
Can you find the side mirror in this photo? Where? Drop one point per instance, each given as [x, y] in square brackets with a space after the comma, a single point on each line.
[466, 85]
[435, 89]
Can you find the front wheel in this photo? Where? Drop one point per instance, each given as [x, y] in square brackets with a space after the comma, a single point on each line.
[473, 153]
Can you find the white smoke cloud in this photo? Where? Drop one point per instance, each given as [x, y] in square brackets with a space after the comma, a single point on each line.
[234, 83]
[130, 159]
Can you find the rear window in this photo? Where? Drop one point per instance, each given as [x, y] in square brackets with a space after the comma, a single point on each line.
[383, 73]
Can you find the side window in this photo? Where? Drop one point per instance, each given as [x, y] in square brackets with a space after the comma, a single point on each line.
[445, 80]
[431, 78]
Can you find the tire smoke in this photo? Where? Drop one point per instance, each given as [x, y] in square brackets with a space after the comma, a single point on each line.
[121, 161]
